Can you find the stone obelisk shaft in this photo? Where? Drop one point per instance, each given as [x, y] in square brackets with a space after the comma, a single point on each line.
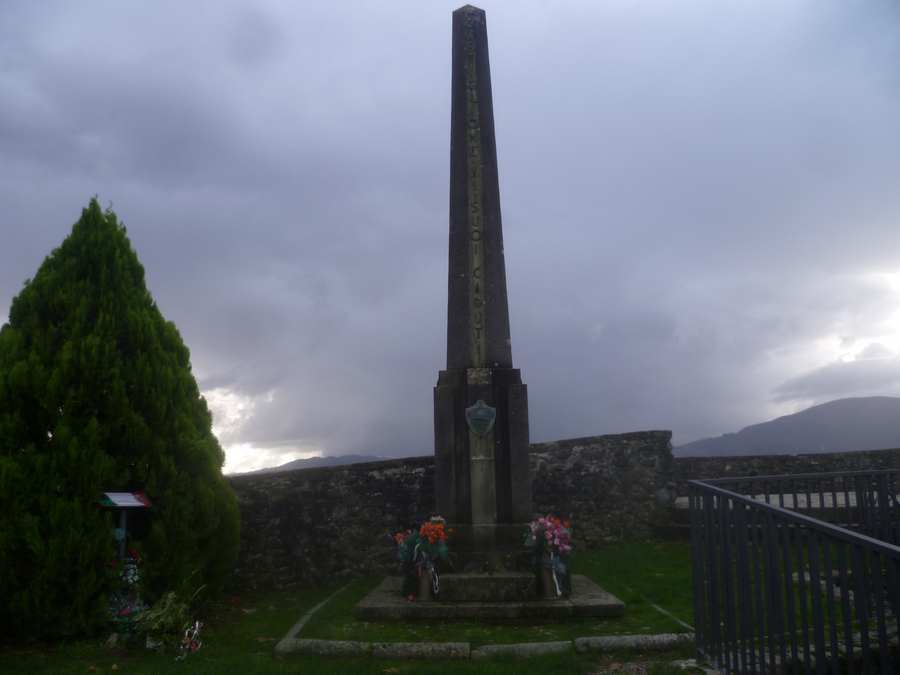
[478, 315]
[482, 477]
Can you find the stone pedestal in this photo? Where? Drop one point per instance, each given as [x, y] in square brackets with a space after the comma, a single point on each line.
[482, 479]
[481, 457]
[489, 548]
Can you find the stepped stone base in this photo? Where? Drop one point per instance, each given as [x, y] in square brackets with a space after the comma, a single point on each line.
[587, 599]
[500, 587]
[489, 548]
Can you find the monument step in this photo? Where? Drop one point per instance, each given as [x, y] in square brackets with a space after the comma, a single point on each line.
[385, 602]
[488, 562]
[489, 548]
[502, 536]
[499, 587]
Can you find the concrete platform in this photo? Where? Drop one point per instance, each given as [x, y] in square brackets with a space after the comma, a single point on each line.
[384, 603]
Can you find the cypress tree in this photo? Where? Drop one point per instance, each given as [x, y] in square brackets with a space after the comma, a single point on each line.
[97, 394]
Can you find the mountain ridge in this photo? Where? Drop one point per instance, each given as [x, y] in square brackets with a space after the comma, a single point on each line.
[864, 423]
[312, 463]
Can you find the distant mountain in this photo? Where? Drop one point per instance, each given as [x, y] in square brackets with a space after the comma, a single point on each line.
[871, 423]
[315, 462]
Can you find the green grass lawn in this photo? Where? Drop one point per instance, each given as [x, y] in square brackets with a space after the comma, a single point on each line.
[240, 638]
[641, 573]
[638, 573]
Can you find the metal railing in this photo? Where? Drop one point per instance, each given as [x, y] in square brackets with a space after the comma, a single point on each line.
[797, 573]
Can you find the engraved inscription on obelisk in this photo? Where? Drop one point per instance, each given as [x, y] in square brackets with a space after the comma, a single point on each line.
[478, 315]
[481, 478]
[473, 190]
[481, 446]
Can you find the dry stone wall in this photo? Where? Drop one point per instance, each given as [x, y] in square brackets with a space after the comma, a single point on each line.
[313, 526]
[612, 487]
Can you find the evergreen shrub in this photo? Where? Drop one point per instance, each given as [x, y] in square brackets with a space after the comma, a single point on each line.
[97, 394]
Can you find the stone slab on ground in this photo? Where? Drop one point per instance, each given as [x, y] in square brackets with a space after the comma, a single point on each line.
[385, 603]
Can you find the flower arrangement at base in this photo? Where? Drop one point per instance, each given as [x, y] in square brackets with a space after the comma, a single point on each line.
[418, 552]
[550, 541]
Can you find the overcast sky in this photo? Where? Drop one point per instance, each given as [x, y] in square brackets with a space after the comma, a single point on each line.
[701, 202]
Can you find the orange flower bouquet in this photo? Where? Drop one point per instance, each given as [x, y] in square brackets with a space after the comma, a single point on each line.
[418, 551]
[429, 542]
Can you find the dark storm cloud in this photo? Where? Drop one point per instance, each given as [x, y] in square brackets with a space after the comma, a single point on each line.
[696, 198]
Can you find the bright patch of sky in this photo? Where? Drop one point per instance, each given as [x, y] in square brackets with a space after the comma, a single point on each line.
[231, 412]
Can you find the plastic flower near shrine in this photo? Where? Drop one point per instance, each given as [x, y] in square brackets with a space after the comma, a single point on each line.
[550, 534]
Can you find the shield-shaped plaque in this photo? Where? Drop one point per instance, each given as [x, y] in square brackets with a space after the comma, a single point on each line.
[480, 417]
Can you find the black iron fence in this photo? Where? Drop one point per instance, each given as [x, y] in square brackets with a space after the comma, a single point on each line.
[797, 573]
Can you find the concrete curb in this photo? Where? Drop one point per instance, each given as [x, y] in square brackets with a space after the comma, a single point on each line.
[607, 643]
[421, 650]
[522, 649]
[383, 650]
[323, 647]
[463, 650]
[291, 644]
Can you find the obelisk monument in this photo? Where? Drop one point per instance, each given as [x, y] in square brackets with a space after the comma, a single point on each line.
[482, 476]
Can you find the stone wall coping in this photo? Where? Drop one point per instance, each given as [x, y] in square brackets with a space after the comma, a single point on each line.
[536, 448]
[316, 471]
[657, 434]
[427, 460]
[685, 459]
